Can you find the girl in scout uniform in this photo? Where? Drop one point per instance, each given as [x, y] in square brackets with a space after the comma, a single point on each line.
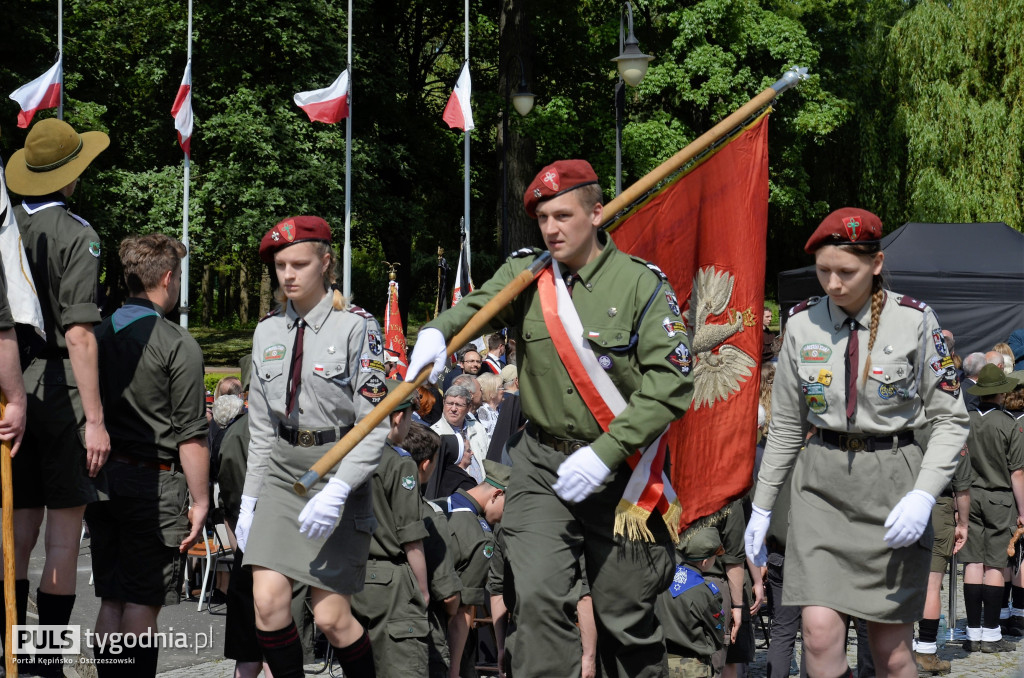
[864, 367]
[317, 368]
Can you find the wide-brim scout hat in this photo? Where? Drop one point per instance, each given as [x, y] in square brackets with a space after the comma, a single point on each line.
[54, 156]
[696, 545]
[497, 474]
[992, 380]
[557, 178]
[846, 226]
[410, 399]
[291, 231]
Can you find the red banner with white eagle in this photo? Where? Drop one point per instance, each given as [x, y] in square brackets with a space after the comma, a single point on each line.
[394, 336]
[706, 230]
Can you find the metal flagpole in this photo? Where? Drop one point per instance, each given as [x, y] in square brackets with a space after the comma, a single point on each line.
[465, 204]
[183, 317]
[347, 266]
[60, 55]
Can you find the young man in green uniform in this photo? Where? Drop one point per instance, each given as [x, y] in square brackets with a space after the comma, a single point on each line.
[151, 379]
[568, 472]
[66, 442]
[393, 603]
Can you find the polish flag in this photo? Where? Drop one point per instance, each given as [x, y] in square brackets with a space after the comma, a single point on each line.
[326, 105]
[182, 110]
[458, 113]
[38, 95]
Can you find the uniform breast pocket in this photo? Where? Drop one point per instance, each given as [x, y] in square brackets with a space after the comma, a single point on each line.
[272, 377]
[889, 384]
[538, 350]
[817, 387]
[331, 374]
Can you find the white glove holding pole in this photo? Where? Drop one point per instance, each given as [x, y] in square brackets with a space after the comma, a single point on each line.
[909, 519]
[321, 514]
[579, 475]
[430, 348]
[244, 521]
[755, 534]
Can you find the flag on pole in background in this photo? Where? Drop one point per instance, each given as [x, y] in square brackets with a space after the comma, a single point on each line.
[181, 111]
[463, 281]
[394, 335]
[21, 288]
[328, 105]
[706, 230]
[40, 94]
[457, 112]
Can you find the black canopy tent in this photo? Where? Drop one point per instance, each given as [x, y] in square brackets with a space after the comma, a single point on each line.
[971, 274]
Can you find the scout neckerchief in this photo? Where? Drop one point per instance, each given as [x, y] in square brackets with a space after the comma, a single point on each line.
[648, 489]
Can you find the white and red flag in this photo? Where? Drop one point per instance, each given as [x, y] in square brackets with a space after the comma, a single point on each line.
[463, 281]
[328, 105]
[182, 110]
[457, 112]
[40, 94]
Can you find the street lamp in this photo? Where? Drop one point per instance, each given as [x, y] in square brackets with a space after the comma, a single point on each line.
[522, 101]
[632, 65]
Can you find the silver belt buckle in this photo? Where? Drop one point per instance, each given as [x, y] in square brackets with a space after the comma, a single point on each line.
[306, 439]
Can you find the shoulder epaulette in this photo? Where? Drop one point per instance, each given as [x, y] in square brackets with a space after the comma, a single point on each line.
[360, 311]
[525, 252]
[911, 302]
[272, 313]
[803, 305]
[654, 267]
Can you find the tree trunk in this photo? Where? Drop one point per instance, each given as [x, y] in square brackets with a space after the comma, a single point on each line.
[207, 294]
[266, 298]
[243, 295]
[222, 295]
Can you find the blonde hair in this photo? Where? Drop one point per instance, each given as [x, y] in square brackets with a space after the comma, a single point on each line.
[489, 384]
[321, 248]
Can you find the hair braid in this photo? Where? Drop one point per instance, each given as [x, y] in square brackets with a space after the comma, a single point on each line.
[877, 298]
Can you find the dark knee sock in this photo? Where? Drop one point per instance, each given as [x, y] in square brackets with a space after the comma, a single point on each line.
[53, 608]
[992, 598]
[1006, 594]
[282, 651]
[1018, 597]
[972, 604]
[357, 659]
[145, 661]
[928, 630]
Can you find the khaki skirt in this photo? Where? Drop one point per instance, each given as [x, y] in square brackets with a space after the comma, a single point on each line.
[336, 564]
[836, 555]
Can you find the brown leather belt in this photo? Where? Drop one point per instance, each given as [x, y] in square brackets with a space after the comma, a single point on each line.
[309, 437]
[855, 442]
[563, 445]
[132, 460]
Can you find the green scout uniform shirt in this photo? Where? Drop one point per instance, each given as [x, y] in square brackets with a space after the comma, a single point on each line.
[472, 548]
[6, 319]
[910, 384]
[692, 620]
[396, 505]
[234, 449]
[610, 297]
[996, 447]
[63, 254]
[443, 580]
[731, 531]
[151, 381]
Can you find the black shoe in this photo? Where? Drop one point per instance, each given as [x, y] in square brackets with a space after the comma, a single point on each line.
[972, 645]
[1001, 645]
[1014, 626]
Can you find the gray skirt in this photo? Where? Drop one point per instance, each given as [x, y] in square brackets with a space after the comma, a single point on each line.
[336, 564]
[836, 555]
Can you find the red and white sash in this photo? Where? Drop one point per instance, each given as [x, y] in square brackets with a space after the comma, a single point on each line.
[648, 488]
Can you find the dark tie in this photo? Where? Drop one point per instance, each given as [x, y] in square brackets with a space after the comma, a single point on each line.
[295, 371]
[570, 280]
[852, 363]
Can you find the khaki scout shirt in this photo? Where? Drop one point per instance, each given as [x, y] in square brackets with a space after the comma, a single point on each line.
[996, 445]
[611, 296]
[151, 382]
[911, 383]
[342, 380]
[63, 254]
[397, 505]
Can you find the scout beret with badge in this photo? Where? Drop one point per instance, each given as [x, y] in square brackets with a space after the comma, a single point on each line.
[290, 231]
[557, 178]
[696, 545]
[497, 474]
[992, 380]
[54, 156]
[845, 226]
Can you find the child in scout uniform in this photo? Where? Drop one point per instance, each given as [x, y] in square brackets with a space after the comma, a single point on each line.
[471, 517]
[690, 610]
[865, 367]
[393, 603]
[997, 506]
[316, 371]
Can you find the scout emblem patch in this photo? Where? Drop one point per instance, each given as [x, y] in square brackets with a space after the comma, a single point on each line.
[815, 353]
[852, 225]
[287, 229]
[886, 391]
[94, 249]
[275, 352]
[680, 359]
[364, 362]
[949, 383]
[486, 528]
[671, 327]
[373, 339]
[683, 580]
[940, 344]
[673, 303]
[374, 390]
[605, 361]
[550, 179]
[488, 551]
[408, 483]
[814, 395]
[940, 365]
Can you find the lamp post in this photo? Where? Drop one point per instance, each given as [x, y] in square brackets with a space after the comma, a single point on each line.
[522, 101]
[632, 66]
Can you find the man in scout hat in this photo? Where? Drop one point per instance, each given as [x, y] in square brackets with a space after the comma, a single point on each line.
[996, 446]
[589, 410]
[57, 467]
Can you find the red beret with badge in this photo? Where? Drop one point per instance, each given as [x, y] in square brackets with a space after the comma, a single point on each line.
[557, 178]
[291, 231]
[845, 226]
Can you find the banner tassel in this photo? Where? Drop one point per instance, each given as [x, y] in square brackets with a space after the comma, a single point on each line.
[631, 522]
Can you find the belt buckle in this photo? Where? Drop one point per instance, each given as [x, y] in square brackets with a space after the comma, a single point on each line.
[306, 439]
[851, 443]
[573, 446]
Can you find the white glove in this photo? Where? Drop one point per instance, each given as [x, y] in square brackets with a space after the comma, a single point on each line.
[430, 348]
[322, 512]
[244, 521]
[909, 518]
[579, 475]
[755, 534]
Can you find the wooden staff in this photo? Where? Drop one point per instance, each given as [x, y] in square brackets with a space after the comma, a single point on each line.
[472, 330]
[8, 546]
[1011, 548]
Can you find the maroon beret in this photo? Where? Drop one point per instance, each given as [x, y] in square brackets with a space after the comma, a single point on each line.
[845, 226]
[555, 179]
[291, 231]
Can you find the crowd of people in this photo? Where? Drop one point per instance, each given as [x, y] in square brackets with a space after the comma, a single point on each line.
[495, 493]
